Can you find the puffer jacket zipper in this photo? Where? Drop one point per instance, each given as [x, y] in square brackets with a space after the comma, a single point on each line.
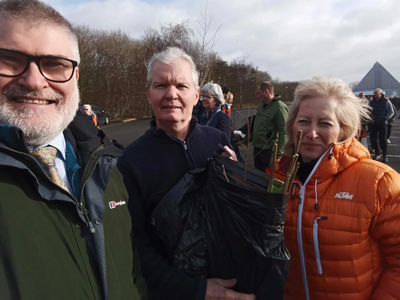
[299, 227]
[300, 241]
[316, 244]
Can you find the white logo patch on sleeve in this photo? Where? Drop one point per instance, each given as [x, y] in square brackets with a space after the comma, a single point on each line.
[114, 204]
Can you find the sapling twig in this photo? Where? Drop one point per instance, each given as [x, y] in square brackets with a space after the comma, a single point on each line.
[273, 166]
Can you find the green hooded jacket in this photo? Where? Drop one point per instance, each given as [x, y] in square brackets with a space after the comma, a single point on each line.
[269, 125]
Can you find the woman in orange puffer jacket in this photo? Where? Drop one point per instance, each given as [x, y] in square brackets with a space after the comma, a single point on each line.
[343, 219]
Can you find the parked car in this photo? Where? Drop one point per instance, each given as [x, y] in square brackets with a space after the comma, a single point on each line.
[102, 117]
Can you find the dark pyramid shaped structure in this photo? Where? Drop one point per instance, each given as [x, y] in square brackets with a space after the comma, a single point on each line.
[378, 77]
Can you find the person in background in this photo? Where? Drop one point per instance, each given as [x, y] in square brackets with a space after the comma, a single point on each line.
[362, 98]
[362, 135]
[343, 213]
[381, 112]
[152, 165]
[64, 221]
[212, 99]
[391, 122]
[396, 102]
[198, 109]
[226, 92]
[227, 107]
[89, 114]
[269, 126]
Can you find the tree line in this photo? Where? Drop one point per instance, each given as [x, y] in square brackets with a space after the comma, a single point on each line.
[113, 67]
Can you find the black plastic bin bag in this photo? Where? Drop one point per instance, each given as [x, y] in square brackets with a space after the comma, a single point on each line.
[215, 225]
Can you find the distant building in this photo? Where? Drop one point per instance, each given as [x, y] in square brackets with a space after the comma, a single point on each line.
[378, 77]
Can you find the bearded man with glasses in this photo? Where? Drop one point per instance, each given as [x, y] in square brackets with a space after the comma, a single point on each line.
[64, 223]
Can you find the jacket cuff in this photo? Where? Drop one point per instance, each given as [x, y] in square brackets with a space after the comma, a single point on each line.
[202, 290]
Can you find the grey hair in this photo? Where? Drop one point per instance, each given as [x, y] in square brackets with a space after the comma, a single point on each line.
[214, 90]
[38, 13]
[349, 113]
[87, 105]
[170, 56]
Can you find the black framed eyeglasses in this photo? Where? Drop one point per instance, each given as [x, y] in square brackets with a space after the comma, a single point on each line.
[53, 68]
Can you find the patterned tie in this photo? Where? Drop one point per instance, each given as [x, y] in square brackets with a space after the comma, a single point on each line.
[46, 156]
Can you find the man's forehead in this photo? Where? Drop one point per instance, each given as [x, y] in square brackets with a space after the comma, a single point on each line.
[35, 38]
[176, 71]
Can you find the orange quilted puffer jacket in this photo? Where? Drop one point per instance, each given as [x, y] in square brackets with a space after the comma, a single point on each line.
[343, 228]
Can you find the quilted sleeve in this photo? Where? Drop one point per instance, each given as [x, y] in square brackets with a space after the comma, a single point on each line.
[385, 230]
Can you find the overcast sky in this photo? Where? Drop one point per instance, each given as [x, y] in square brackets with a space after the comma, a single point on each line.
[290, 39]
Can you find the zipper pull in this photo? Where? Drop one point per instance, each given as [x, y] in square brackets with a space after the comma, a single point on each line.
[320, 218]
[184, 145]
[301, 194]
[91, 227]
[85, 212]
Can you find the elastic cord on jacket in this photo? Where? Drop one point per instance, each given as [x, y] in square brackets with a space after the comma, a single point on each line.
[316, 194]
[330, 153]
[294, 188]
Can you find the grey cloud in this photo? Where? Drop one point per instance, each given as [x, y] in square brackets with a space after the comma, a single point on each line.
[290, 39]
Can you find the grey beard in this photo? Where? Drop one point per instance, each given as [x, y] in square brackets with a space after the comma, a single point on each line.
[49, 126]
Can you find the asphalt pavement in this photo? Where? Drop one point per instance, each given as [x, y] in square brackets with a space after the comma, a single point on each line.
[127, 132]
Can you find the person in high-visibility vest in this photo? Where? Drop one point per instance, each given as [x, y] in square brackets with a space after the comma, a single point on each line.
[87, 108]
[226, 108]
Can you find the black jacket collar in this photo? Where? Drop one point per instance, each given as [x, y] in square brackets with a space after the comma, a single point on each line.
[159, 131]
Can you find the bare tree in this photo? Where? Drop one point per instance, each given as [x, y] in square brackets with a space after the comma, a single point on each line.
[207, 44]
[113, 65]
[353, 84]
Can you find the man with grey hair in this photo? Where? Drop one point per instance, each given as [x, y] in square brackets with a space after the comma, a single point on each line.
[152, 165]
[381, 112]
[64, 223]
[89, 114]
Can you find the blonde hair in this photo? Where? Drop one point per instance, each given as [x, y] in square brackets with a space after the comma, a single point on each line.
[350, 111]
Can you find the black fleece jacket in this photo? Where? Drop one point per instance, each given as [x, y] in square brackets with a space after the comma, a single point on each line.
[151, 166]
[381, 110]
